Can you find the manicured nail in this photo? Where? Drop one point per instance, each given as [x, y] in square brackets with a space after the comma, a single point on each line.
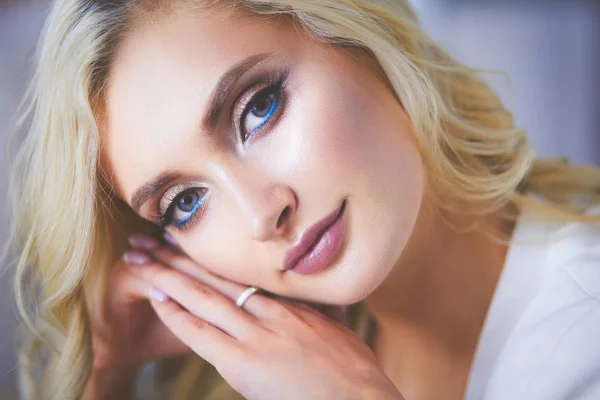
[170, 239]
[143, 242]
[135, 257]
[157, 295]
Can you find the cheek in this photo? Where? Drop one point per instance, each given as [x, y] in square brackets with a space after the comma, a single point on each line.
[362, 146]
[355, 139]
[220, 243]
[323, 131]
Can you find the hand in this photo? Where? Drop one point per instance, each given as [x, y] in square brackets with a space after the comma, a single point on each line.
[270, 349]
[125, 329]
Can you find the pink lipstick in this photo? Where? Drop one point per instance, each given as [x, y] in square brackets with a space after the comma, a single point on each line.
[318, 245]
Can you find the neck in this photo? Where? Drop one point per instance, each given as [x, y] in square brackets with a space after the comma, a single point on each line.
[431, 308]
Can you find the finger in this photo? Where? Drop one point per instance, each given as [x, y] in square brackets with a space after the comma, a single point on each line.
[182, 262]
[204, 339]
[167, 237]
[122, 290]
[257, 305]
[126, 287]
[315, 314]
[200, 299]
[188, 266]
[144, 242]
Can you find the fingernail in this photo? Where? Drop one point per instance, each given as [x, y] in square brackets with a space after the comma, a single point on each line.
[143, 242]
[170, 239]
[157, 295]
[135, 257]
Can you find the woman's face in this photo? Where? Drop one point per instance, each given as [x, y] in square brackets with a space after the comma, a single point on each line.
[248, 159]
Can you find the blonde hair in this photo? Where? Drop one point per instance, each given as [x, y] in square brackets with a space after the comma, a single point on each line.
[68, 231]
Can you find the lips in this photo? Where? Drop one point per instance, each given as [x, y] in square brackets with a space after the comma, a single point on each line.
[317, 245]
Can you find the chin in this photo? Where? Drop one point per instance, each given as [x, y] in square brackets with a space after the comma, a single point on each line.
[354, 277]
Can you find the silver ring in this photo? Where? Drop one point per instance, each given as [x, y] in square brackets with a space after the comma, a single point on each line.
[245, 295]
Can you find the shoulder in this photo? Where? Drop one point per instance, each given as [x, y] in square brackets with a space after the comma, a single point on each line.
[554, 350]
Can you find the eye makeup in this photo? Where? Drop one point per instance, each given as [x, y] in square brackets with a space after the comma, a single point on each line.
[262, 103]
[181, 205]
[269, 93]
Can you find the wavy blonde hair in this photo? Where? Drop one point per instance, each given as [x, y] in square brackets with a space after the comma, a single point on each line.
[68, 230]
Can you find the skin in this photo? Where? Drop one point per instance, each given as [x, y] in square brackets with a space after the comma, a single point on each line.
[341, 135]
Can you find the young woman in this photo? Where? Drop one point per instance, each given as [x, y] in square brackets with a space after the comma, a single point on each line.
[301, 156]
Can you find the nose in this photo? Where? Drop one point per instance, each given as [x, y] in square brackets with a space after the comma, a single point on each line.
[268, 207]
[271, 214]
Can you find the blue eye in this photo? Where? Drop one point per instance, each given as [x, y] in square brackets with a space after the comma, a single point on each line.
[184, 206]
[261, 109]
[256, 112]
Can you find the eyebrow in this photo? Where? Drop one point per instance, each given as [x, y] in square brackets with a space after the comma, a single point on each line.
[216, 103]
[227, 81]
[149, 188]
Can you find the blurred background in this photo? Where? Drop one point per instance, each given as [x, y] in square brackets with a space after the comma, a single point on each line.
[550, 50]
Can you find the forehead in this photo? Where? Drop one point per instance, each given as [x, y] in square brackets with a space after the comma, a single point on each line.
[160, 83]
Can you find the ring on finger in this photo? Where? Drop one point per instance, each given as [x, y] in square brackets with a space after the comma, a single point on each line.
[246, 295]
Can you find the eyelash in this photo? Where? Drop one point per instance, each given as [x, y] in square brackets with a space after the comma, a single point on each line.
[274, 84]
[172, 195]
